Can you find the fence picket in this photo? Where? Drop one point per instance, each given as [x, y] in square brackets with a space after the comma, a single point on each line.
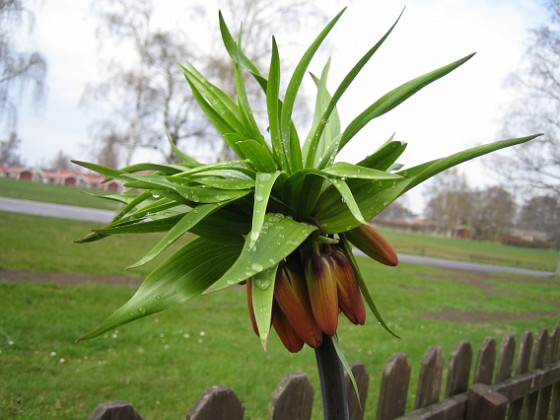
[555, 357]
[357, 408]
[483, 403]
[507, 352]
[429, 382]
[459, 369]
[530, 408]
[543, 402]
[217, 403]
[115, 410]
[523, 359]
[485, 362]
[394, 387]
[292, 399]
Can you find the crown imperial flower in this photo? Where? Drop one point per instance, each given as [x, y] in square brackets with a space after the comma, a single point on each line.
[284, 216]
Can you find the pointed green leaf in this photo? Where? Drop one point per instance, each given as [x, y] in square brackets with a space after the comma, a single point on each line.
[331, 128]
[348, 198]
[318, 129]
[260, 156]
[263, 188]
[200, 194]
[226, 183]
[374, 196]
[184, 275]
[279, 149]
[185, 159]
[280, 238]
[183, 226]
[262, 292]
[347, 170]
[385, 157]
[395, 97]
[345, 365]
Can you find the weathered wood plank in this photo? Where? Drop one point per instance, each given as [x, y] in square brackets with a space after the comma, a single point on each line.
[357, 408]
[507, 352]
[452, 408]
[459, 369]
[429, 381]
[485, 362]
[394, 387]
[485, 403]
[554, 411]
[292, 398]
[217, 403]
[530, 405]
[523, 359]
[527, 383]
[116, 410]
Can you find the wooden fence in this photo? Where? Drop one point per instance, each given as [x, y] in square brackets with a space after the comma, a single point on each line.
[498, 390]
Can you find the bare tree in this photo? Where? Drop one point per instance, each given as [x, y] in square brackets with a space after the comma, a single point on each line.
[493, 213]
[536, 166]
[9, 151]
[542, 213]
[19, 69]
[449, 201]
[147, 99]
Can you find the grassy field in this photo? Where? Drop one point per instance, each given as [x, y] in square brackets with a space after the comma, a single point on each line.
[53, 194]
[163, 363]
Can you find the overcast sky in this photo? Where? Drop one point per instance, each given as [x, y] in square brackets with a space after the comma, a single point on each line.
[462, 110]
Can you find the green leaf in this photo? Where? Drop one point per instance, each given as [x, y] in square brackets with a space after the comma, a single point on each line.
[345, 364]
[237, 55]
[374, 196]
[347, 170]
[262, 292]
[103, 170]
[140, 226]
[331, 128]
[184, 275]
[280, 238]
[395, 97]
[260, 156]
[385, 157]
[279, 149]
[295, 157]
[346, 82]
[348, 198]
[185, 159]
[199, 194]
[263, 188]
[226, 183]
[363, 286]
[187, 222]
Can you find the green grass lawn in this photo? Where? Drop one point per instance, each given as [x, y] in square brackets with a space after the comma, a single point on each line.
[58, 194]
[163, 363]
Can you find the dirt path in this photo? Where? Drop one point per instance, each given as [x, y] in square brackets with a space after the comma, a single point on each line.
[472, 278]
[65, 278]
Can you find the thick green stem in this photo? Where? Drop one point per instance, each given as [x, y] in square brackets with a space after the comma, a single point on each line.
[333, 384]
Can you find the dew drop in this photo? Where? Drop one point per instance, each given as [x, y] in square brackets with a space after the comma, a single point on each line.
[262, 284]
[156, 196]
[142, 310]
[256, 267]
[265, 177]
[259, 198]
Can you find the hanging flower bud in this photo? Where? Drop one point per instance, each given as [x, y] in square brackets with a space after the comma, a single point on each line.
[369, 240]
[349, 297]
[293, 299]
[320, 277]
[286, 332]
